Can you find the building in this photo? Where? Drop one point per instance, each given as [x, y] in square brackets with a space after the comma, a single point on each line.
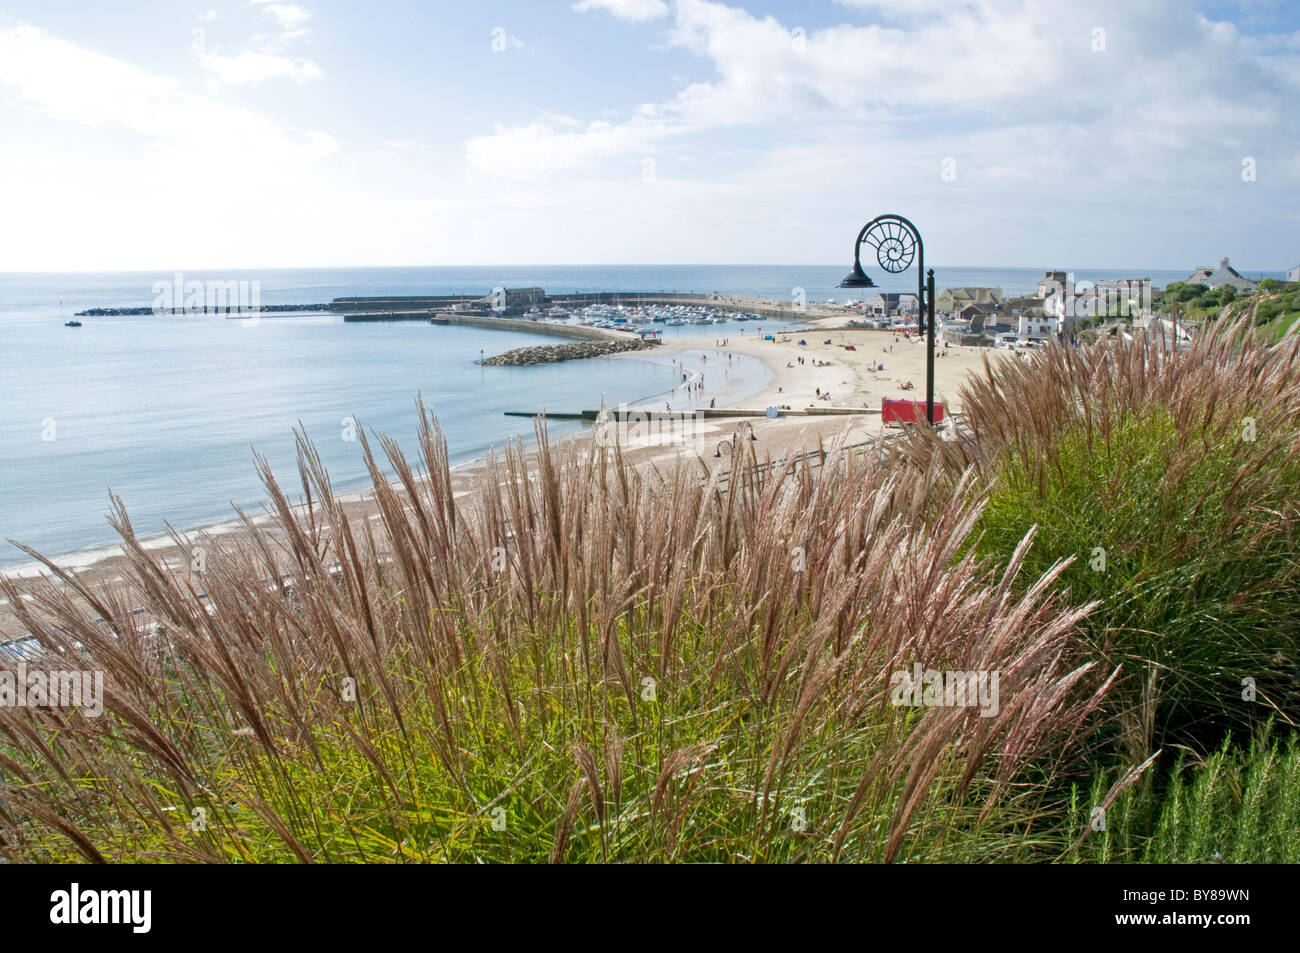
[1039, 328]
[1225, 274]
[513, 300]
[954, 299]
[1293, 274]
[887, 303]
[976, 316]
[1055, 282]
[1119, 297]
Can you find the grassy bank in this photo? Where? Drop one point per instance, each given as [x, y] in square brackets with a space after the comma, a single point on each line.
[582, 661]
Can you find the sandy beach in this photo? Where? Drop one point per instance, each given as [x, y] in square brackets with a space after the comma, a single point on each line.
[852, 378]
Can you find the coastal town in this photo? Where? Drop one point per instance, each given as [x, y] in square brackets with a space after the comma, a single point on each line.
[1061, 307]
[650, 432]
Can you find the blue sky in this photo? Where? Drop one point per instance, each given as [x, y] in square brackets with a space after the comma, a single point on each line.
[316, 133]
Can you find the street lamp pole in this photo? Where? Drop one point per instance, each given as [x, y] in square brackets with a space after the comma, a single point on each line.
[897, 243]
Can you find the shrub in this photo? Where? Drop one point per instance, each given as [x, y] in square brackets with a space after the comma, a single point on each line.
[575, 661]
[1239, 807]
[1183, 469]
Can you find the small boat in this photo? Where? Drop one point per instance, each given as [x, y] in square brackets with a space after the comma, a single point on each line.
[72, 324]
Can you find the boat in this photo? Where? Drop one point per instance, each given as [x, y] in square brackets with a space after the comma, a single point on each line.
[72, 324]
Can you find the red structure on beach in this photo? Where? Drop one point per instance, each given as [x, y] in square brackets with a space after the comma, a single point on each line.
[897, 410]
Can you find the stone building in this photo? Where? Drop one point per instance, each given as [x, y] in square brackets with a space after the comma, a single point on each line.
[1225, 274]
[954, 299]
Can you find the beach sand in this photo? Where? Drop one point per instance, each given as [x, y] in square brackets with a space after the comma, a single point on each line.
[851, 377]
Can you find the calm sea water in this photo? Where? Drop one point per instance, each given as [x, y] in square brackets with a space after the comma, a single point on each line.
[167, 411]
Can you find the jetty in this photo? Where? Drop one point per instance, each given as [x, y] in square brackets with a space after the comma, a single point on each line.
[702, 413]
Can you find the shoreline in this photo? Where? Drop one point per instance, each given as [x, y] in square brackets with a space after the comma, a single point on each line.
[80, 560]
[851, 377]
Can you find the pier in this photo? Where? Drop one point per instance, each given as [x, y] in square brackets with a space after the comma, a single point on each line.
[706, 413]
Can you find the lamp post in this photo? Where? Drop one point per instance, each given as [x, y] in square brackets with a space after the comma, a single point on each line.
[897, 242]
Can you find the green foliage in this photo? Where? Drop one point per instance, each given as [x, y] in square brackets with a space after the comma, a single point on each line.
[1274, 304]
[1238, 807]
[1168, 545]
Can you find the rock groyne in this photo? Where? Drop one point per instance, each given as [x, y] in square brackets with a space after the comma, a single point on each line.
[553, 353]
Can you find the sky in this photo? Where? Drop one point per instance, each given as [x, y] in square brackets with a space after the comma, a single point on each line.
[149, 134]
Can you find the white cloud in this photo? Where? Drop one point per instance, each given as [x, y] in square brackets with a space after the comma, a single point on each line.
[64, 81]
[267, 58]
[637, 11]
[151, 162]
[290, 17]
[1164, 75]
[252, 67]
[525, 152]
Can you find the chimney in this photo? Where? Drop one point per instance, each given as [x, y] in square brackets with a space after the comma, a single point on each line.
[1223, 263]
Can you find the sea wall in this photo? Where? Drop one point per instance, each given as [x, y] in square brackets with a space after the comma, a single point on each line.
[573, 331]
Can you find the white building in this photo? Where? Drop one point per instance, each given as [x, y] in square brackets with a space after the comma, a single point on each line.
[1293, 274]
[1038, 327]
[887, 303]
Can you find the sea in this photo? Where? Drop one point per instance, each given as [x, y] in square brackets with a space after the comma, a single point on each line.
[168, 412]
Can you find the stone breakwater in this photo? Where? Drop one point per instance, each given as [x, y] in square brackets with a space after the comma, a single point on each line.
[199, 309]
[552, 353]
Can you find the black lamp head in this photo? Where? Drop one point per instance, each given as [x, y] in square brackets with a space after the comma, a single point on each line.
[857, 278]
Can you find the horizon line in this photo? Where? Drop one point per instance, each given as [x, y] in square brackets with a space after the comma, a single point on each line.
[173, 270]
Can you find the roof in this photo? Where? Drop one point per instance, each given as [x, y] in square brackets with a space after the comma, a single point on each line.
[1225, 274]
[978, 295]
